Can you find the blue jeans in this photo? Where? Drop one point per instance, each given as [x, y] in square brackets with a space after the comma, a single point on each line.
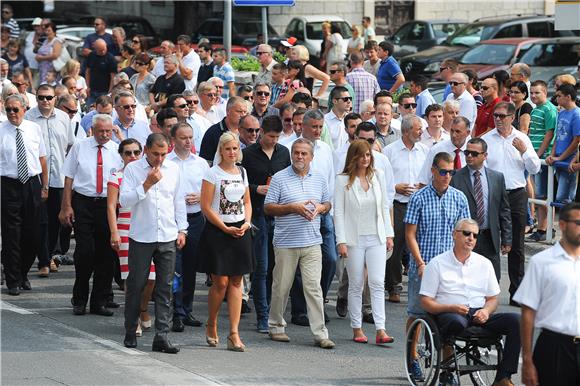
[185, 268]
[329, 257]
[260, 288]
[566, 186]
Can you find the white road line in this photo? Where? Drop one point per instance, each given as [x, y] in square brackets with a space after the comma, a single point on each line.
[5, 306]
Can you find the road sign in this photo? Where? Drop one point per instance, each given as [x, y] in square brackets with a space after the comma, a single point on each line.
[264, 3]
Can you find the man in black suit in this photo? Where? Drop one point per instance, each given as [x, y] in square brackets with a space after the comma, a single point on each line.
[488, 203]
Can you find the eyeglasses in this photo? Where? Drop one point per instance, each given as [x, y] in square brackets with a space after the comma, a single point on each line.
[69, 110]
[288, 120]
[369, 140]
[140, 63]
[129, 153]
[262, 53]
[136, 41]
[45, 97]
[410, 105]
[262, 93]
[192, 102]
[251, 130]
[472, 153]
[444, 172]
[501, 116]
[576, 222]
[485, 88]
[249, 98]
[181, 106]
[127, 107]
[453, 84]
[468, 233]
[12, 109]
[334, 71]
[371, 112]
[441, 69]
[345, 99]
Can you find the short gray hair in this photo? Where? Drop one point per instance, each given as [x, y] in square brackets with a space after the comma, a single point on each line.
[451, 103]
[366, 105]
[312, 115]
[172, 58]
[305, 141]
[123, 94]
[121, 30]
[102, 118]
[408, 121]
[18, 97]
[189, 93]
[462, 221]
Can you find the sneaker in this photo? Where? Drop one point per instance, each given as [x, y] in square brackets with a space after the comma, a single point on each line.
[537, 236]
[416, 372]
[262, 326]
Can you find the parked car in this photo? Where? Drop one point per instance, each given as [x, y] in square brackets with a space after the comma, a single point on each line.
[492, 55]
[427, 62]
[242, 30]
[551, 57]
[308, 30]
[419, 35]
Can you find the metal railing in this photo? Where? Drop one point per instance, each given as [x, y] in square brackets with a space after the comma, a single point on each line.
[547, 202]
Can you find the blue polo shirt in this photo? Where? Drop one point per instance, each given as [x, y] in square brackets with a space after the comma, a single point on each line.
[286, 187]
[387, 73]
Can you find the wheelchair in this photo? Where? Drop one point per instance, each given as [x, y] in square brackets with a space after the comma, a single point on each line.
[476, 353]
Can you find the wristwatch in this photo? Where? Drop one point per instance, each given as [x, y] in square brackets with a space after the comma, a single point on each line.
[184, 231]
[45, 188]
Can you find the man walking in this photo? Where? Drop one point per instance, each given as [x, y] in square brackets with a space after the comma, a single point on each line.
[365, 85]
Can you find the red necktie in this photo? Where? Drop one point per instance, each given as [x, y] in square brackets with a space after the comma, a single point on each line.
[99, 170]
[457, 160]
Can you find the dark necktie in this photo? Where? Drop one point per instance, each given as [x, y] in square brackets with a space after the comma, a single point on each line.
[21, 157]
[478, 190]
[99, 170]
[457, 160]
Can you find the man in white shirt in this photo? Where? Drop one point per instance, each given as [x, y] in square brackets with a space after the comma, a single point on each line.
[407, 156]
[549, 299]
[459, 287]
[208, 97]
[151, 188]
[434, 133]
[58, 138]
[87, 169]
[21, 192]
[191, 171]
[467, 106]
[166, 48]
[22, 84]
[334, 119]
[511, 152]
[125, 106]
[188, 61]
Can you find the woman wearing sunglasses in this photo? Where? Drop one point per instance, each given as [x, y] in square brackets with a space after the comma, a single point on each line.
[119, 221]
[143, 80]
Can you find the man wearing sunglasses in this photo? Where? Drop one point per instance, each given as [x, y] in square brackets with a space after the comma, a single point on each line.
[59, 136]
[511, 152]
[261, 106]
[264, 54]
[19, 80]
[488, 203]
[408, 106]
[485, 121]
[125, 106]
[337, 73]
[459, 287]
[334, 119]
[467, 105]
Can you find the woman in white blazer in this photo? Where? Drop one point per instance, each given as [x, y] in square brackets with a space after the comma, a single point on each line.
[364, 234]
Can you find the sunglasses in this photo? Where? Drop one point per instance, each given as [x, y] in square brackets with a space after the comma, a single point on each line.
[485, 88]
[45, 97]
[69, 110]
[128, 153]
[17, 84]
[334, 71]
[261, 53]
[249, 98]
[251, 130]
[193, 102]
[410, 105]
[453, 84]
[369, 140]
[468, 233]
[345, 99]
[288, 120]
[472, 153]
[140, 63]
[500, 116]
[136, 41]
[127, 107]
[262, 93]
[444, 172]
[577, 222]
[181, 106]
[12, 109]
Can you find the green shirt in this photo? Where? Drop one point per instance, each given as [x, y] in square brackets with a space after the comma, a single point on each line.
[543, 119]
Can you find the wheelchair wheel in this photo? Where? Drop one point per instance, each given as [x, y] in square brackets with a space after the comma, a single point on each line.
[428, 351]
[485, 356]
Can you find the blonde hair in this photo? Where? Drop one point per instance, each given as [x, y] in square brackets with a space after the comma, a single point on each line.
[302, 53]
[566, 79]
[226, 137]
[356, 150]
[68, 67]
[357, 28]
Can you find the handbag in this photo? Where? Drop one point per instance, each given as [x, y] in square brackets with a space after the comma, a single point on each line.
[64, 57]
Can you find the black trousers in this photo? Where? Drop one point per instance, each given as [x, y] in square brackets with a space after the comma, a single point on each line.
[20, 219]
[58, 234]
[518, 199]
[557, 359]
[485, 248]
[394, 270]
[93, 254]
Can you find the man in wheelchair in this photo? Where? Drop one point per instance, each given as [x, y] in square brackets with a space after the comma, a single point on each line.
[460, 290]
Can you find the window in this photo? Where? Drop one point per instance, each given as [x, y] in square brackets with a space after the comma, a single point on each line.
[291, 29]
[539, 29]
[489, 54]
[446, 29]
[512, 31]
[555, 55]
[417, 32]
[402, 33]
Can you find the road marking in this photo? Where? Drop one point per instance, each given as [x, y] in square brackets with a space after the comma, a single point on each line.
[5, 306]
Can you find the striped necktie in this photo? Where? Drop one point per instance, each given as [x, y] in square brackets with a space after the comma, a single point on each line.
[21, 157]
[479, 203]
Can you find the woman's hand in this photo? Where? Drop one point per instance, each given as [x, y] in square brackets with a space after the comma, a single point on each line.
[115, 241]
[390, 244]
[342, 250]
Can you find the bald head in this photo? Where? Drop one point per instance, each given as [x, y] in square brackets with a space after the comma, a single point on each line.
[100, 47]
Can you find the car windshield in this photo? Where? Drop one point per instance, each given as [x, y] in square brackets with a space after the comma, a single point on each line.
[470, 35]
[552, 54]
[443, 30]
[489, 54]
[314, 30]
[252, 27]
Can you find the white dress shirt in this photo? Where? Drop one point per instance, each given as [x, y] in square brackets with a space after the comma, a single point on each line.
[428, 140]
[81, 165]
[336, 128]
[199, 125]
[137, 129]
[503, 157]
[449, 281]
[193, 62]
[78, 130]
[58, 135]
[467, 106]
[551, 287]
[158, 214]
[191, 172]
[287, 140]
[215, 114]
[406, 164]
[444, 146]
[33, 142]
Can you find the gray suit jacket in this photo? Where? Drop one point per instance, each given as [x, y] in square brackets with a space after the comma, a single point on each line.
[498, 210]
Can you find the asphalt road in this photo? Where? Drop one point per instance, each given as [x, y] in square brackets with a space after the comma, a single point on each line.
[43, 343]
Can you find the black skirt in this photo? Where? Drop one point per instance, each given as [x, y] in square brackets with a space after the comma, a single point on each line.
[224, 255]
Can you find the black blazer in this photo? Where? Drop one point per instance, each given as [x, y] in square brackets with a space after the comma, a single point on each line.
[498, 211]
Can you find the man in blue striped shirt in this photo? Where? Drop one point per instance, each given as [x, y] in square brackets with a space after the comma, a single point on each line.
[296, 197]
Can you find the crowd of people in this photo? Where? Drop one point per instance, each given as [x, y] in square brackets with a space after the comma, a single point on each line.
[164, 168]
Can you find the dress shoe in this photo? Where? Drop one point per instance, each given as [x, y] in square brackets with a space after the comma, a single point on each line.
[246, 309]
[14, 291]
[279, 337]
[395, 298]
[301, 320]
[190, 320]
[341, 307]
[79, 309]
[130, 340]
[112, 304]
[325, 344]
[101, 310]
[43, 272]
[177, 325]
[162, 344]
[368, 317]
[25, 285]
